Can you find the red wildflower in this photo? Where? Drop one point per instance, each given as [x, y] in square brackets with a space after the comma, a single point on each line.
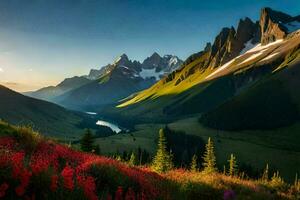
[25, 177]
[108, 197]
[30, 198]
[142, 196]
[54, 183]
[3, 188]
[89, 186]
[17, 163]
[20, 190]
[68, 173]
[130, 195]
[119, 193]
[4, 159]
[7, 143]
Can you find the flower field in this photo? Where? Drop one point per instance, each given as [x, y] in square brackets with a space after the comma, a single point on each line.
[32, 167]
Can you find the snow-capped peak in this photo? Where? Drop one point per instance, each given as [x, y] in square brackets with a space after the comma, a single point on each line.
[173, 61]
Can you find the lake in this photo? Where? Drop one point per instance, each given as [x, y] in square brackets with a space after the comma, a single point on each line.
[114, 127]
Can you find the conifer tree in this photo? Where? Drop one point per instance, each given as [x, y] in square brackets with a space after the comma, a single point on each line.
[132, 160]
[209, 158]
[97, 149]
[170, 160]
[87, 141]
[163, 160]
[194, 166]
[265, 176]
[118, 158]
[232, 166]
[296, 185]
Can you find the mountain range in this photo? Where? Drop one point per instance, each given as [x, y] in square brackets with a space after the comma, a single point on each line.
[241, 61]
[110, 83]
[241, 65]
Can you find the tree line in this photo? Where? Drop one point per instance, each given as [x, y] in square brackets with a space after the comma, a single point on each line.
[164, 157]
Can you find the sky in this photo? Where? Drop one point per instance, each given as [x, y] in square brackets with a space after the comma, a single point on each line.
[42, 42]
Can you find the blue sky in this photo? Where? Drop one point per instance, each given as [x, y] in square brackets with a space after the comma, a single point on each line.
[42, 41]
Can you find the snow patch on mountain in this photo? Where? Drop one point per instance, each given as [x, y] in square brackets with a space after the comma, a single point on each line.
[249, 45]
[253, 56]
[148, 73]
[254, 52]
[173, 61]
[292, 26]
[260, 47]
[221, 68]
[270, 56]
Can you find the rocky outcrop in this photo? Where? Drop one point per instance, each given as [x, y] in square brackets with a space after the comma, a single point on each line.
[167, 63]
[230, 42]
[152, 62]
[271, 29]
[272, 25]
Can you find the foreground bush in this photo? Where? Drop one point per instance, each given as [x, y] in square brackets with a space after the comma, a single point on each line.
[53, 171]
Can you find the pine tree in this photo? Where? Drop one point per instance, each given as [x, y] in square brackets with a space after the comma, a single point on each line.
[132, 160]
[209, 158]
[87, 141]
[118, 158]
[194, 166]
[265, 176]
[296, 182]
[232, 166]
[96, 149]
[163, 160]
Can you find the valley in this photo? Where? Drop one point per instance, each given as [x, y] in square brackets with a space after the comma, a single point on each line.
[253, 148]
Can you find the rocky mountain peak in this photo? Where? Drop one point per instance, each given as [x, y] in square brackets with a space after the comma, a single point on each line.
[245, 29]
[207, 47]
[275, 16]
[122, 60]
[230, 42]
[153, 61]
[271, 25]
[155, 55]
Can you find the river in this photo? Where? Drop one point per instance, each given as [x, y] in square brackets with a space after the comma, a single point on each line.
[101, 122]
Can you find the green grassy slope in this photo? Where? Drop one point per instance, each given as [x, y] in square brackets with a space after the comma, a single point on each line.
[43, 116]
[271, 103]
[195, 89]
[254, 149]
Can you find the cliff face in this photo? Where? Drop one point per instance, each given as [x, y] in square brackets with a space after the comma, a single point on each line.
[270, 27]
[230, 42]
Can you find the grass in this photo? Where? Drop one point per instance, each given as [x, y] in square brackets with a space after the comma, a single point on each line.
[48, 172]
[279, 148]
[144, 137]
